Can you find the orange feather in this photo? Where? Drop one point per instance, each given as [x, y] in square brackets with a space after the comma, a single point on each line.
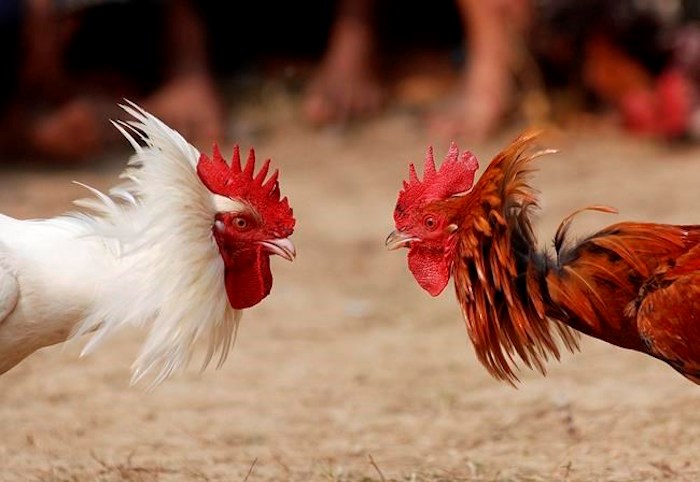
[635, 285]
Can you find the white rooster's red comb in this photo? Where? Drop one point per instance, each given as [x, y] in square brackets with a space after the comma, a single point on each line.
[241, 182]
[455, 175]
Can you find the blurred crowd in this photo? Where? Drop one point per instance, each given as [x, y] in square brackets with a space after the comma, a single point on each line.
[67, 62]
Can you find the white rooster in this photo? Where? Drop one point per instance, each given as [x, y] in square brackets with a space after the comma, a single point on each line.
[183, 245]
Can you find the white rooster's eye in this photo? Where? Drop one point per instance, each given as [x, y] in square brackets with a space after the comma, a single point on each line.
[241, 223]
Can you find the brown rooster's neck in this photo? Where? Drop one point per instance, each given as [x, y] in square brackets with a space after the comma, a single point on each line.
[499, 272]
[500, 282]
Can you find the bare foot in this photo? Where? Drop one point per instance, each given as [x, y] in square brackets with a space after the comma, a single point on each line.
[479, 106]
[346, 86]
[190, 105]
[45, 37]
[494, 47]
[72, 132]
[79, 128]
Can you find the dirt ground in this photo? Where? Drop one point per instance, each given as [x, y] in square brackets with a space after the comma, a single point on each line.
[349, 371]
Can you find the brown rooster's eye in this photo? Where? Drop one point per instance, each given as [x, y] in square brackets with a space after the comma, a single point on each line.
[430, 223]
[240, 223]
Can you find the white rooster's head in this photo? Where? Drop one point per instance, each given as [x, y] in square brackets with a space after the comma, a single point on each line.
[258, 224]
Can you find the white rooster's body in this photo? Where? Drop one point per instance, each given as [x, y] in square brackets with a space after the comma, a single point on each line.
[47, 283]
[145, 255]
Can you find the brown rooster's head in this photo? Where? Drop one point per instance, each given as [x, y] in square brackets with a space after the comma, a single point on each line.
[422, 226]
[251, 224]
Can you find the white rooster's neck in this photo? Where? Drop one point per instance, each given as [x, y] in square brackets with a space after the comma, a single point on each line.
[170, 273]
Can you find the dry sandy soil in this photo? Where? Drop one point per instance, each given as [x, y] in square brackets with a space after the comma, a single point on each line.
[349, 371]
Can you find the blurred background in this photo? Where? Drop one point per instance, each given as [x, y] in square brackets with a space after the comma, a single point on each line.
[348, 358]
[464, 69]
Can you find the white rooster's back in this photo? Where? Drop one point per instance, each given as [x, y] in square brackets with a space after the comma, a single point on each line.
[144, 255]
[54, 267]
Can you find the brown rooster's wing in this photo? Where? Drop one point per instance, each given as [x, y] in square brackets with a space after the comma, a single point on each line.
[497, 271]
[669, 315]
[595, 285]
[602, 285]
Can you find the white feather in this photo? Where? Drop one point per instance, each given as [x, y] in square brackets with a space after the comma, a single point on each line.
[169, 272]
[144, 256]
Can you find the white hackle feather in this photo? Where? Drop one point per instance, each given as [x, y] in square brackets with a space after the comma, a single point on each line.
[167, 270]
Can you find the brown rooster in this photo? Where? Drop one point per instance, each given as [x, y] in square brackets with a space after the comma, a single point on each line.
[635, 285]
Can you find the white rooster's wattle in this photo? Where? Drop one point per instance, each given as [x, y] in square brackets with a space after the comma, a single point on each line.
[182, 246]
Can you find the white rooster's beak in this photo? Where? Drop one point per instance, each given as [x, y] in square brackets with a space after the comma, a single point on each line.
[282, 247]
[398, 239]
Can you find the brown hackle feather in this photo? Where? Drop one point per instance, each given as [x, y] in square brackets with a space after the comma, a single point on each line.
[500, 295]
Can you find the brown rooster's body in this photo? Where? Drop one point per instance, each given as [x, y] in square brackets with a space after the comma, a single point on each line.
[635, 285]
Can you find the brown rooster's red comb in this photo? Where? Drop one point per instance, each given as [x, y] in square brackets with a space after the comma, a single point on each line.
[240, 182]
[456, 175]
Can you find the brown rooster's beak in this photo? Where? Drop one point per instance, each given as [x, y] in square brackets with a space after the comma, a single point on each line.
[282, 247]
[398, 239]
